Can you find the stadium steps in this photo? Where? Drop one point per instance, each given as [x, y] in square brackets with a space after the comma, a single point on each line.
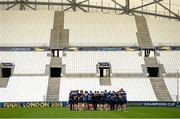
[53, 89]
[58, 20]
[151, 61]
[59, 35]
[80, 75]
[47, 71]
[4, 82]
[158, 83]
[138, 75]
[103, 81]
[160, 89]
[143, 35]
[56, 61]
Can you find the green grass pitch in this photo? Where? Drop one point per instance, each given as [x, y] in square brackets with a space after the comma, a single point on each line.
[136, 112]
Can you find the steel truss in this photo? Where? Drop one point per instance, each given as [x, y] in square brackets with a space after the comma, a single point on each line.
[73, 4]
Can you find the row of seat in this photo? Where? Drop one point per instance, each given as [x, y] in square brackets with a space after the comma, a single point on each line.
[86, 61]
[170, 60]
[25, 89]
[26, 62]
[100, 29]
[164, 32]
[85, 29]
[138, 89]
[172, 85]
[26, 28]
[34, 88]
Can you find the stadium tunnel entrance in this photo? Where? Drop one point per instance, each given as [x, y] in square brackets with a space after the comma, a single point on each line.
[104, 69]
[153, 71]
[6, 70]
[55, 71]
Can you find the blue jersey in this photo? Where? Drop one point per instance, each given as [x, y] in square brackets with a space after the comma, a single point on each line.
[90, 95]
[124, 96]
[85, 97]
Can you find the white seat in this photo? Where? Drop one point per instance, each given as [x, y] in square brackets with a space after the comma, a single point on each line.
[26, 62]
[170, 60]
[97, 29]
[25, 89]
[85, 62]
[164, 32]
[138, 89]
[26, 28]
[171, 84]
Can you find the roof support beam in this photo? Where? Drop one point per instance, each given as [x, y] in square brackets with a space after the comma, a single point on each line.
[72, 4]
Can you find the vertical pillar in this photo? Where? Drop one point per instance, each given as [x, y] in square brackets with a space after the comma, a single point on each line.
[0, 71]
[155, 7]
[169, 8]
[88, 5]
[35, 4]
[142, 9]
[53, 52]
[48, 5]
[102, 5]
[74, 5]
[127, 6]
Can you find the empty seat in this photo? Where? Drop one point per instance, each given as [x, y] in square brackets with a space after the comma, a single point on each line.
[138, 89]
[97, 29]
[85, 62]
[25, 89]
[26, 28]
[170, 60]
[26, 62]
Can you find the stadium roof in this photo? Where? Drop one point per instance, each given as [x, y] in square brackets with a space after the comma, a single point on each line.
[150, 7]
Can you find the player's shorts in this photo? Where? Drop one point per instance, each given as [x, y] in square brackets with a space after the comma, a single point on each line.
[124, 102]
[89, 101]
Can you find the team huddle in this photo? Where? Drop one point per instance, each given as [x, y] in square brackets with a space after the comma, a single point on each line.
[104, 100]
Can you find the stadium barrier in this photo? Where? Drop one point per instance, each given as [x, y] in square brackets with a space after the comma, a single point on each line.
[64, 104]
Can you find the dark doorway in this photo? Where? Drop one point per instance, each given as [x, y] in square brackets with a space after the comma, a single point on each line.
[153, 71]
[6, 72]
[104, 72]
[56, 72]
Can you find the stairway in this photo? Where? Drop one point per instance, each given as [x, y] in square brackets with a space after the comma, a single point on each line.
[103, 81]
[151, 61]
[4, 82]
[59, 35]
[158, 83]
[58, 20]
[160, 89]
[53, 90]
[143, 35]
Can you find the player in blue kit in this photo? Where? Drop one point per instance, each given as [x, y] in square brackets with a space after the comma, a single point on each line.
[124, 100]
[105, 100]
[90, 100]
[85, 98]
[112, 100]
[80, 100]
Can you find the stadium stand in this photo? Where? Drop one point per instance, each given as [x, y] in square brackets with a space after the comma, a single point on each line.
[25, 89]
[170, 60]
[29, 82]
[86, 61]
[100, 29]
[142, 91]
[26, 62]
[171, 84]
[26, 28]
[164, 32]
